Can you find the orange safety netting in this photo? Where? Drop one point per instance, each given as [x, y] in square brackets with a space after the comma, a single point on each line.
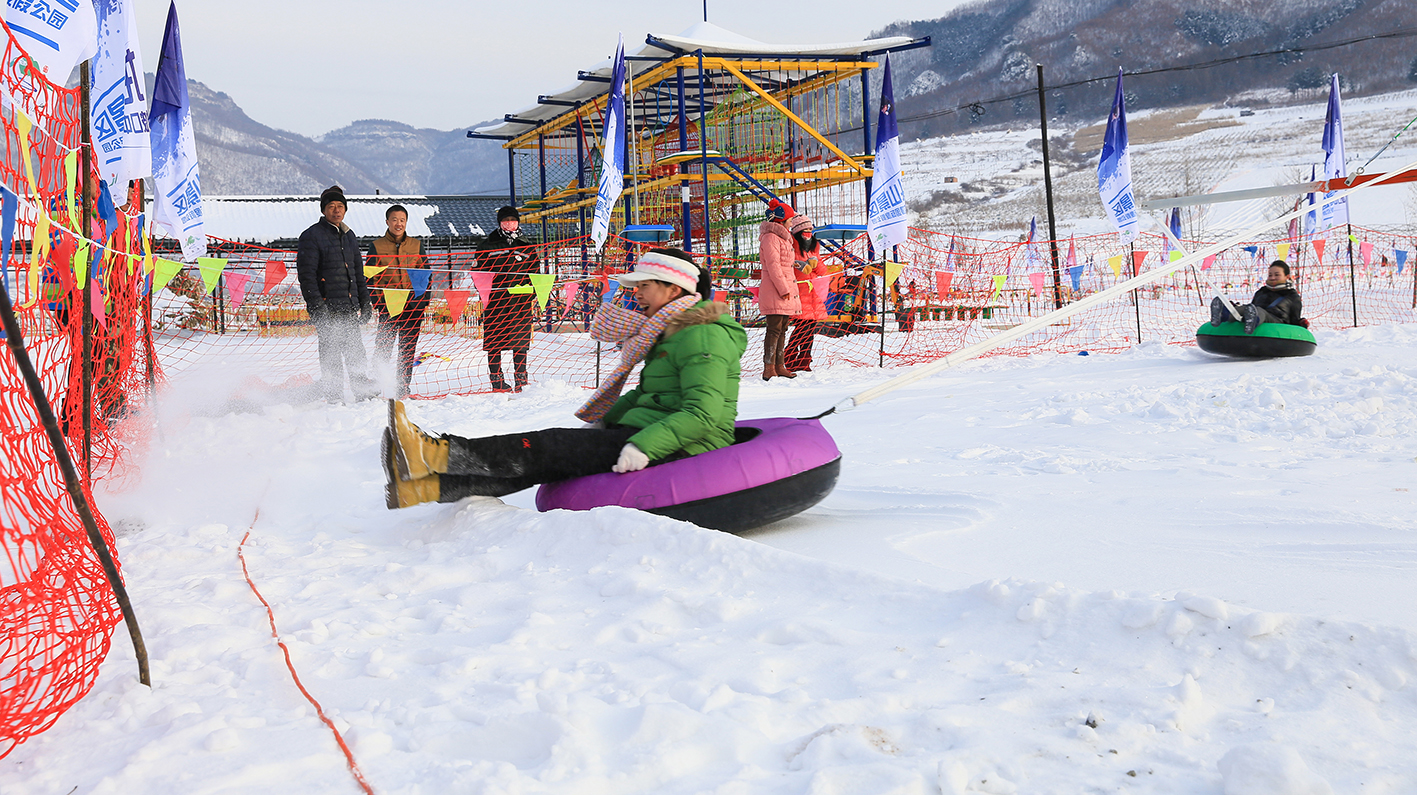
[57, 610]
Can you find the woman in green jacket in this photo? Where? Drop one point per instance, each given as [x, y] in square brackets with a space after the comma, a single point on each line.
[685, 404]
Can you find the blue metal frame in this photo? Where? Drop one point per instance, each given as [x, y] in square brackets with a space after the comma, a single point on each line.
[683, 169]
[703, 152]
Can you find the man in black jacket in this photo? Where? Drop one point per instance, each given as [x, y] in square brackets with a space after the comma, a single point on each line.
[1276, 302]
[332, 280]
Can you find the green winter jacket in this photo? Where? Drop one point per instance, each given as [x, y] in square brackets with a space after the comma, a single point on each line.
[687, 398]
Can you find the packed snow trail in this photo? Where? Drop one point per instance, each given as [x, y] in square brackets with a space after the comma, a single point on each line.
[1153, 571]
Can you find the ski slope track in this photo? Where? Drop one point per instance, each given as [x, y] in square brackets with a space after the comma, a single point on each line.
[1154, 571]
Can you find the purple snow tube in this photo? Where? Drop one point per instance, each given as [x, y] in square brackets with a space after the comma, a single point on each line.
[778, 467]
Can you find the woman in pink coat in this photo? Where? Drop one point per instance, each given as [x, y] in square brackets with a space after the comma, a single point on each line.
[778, 299]
[806, 267]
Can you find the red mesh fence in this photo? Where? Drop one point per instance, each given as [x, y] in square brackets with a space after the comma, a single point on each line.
[948, 292]
[57, 610]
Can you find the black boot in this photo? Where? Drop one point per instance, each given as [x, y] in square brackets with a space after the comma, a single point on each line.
[494, 370]
[519, 378]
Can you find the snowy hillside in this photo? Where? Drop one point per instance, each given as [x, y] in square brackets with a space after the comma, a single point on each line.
[999, 173]
[1153, 572]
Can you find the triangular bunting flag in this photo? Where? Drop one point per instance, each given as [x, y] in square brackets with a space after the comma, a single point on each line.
[1115, 263]
[568, 294]
[370, 271]
[541, 283]
[96, 303]
[1400, 254]
[71, 178]
[1319, 250]
[236, 285]
[482, 280]
[943, 279]
[275, 274]
[1174, 255]
[998, 285]
[893, 270]
[1365, 250]
[211, 268]
[419, 277]
[1076, 272]
[1138, 257]
[1036, 279]
[819, 286]
[457, 303]
[163, 271]
[1281, 251]
[395, 300]
[81, 263]
[1208, 261]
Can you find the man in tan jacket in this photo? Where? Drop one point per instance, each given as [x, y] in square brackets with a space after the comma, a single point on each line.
[400, 255]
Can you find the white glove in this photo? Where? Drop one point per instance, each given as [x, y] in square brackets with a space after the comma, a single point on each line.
[597, 425]
[631, 460]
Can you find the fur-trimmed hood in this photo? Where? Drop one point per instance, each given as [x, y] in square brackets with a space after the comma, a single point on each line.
[699, 314]
[773, 228]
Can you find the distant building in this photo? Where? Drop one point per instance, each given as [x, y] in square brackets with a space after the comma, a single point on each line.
[445, 222]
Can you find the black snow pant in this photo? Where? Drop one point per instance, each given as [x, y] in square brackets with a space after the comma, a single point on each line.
[493, 466]
[401, 331]
[341, 347]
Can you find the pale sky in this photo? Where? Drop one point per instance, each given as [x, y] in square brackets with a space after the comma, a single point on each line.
[310, 66]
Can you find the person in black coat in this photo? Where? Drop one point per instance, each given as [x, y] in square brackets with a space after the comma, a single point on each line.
[331, 274]
[1276, 302]
[507, 317]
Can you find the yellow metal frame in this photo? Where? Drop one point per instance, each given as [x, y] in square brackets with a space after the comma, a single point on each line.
[822, 74]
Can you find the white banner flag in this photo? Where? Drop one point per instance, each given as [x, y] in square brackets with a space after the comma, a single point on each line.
[612, 152]
[56, 34]
[118, 117]
[1333, 214]
[1114, 169]
[177, 207]
[885, 214]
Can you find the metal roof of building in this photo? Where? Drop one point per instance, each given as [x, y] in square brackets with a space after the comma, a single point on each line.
[266, 219]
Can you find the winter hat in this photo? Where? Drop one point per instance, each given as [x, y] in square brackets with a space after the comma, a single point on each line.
[333, 193]
[663, 268]
[779, 211]
[799, 223]
[503, 213]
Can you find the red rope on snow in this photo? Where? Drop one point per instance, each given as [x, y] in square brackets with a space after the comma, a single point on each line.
[319, 710]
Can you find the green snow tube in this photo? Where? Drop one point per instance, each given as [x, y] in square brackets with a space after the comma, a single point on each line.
[1270, 340]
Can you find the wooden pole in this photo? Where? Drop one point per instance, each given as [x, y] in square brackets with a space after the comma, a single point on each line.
[72, 483]
[86, 362]
[1048, 192]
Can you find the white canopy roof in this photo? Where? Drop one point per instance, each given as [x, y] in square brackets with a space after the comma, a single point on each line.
[706, 36]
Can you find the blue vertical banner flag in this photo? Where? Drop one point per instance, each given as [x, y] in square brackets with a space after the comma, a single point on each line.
[1114, 169]
[1175, 227]
[1333, 214]
[57, 35]
[885, 216]
[612, 152]
[118, 121]
[177, 205]
[1030, 252]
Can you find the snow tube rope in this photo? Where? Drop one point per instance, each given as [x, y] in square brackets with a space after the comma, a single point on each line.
[777, 468]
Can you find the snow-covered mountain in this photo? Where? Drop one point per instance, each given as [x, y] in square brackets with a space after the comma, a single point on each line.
[241, 156]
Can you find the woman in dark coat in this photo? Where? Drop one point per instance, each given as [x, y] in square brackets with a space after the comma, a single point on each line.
[507, 316]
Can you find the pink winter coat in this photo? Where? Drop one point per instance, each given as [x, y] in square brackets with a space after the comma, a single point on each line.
[814, 301]
[777, 253]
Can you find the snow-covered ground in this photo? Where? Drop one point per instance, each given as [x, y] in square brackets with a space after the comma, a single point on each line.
[1154, 571]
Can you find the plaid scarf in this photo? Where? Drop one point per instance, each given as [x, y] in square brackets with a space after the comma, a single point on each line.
[615, 323]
